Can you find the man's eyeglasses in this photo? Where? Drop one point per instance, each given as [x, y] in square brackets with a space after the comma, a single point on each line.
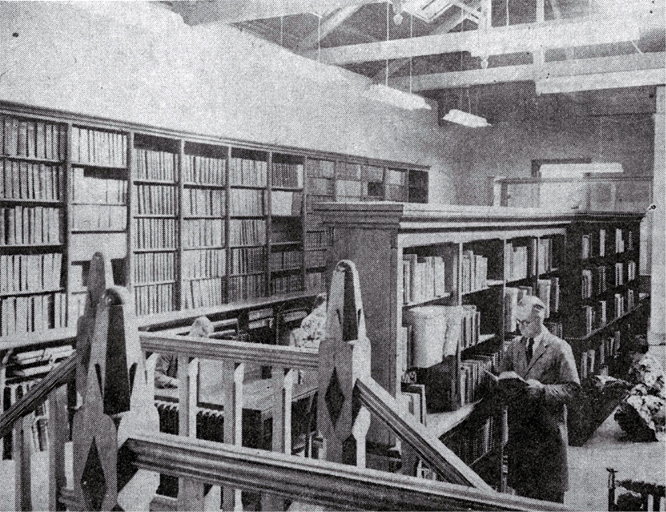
[525, 323]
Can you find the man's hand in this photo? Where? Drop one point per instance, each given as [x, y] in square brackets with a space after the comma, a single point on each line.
[534, 388]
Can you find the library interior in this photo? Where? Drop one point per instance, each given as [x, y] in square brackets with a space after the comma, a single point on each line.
[333, 254]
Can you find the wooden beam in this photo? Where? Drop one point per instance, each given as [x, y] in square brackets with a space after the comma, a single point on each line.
[648, 67]
[452, 20]
[600, 81]
[327, 26]
[496, 41]
[233, 11]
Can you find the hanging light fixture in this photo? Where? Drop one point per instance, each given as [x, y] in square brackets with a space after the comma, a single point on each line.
[459, 116]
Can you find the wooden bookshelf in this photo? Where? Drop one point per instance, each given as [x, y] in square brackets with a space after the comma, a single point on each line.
[491, 257]
[190, 221]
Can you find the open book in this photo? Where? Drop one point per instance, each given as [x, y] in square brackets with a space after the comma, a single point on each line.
[509, 382]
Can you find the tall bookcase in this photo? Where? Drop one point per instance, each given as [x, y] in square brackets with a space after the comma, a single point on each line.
[33, 202]
[190, 222]
[474, 264]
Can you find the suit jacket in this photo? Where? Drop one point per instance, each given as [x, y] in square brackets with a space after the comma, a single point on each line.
[537, 446]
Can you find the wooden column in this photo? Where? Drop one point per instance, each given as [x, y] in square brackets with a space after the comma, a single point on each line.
[657, 333]
[344, 357]
[116, 405]
[58, 436]
[232, 377]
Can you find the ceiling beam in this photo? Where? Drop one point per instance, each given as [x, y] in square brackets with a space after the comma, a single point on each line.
[327, 26]
[234, 11]
[495, 41]
[451, 20]
[648, 69]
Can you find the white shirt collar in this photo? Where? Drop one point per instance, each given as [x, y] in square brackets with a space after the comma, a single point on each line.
[538, 338]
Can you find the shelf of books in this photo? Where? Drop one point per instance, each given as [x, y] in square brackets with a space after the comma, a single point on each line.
[445, 282]
[189, 221]
[286, 230]
[155, 229]
[204, 230]
[33, 217]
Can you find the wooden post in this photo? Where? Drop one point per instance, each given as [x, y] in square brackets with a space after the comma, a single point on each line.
[232, 377]
[344, 356]
[58, 436]
[100, 277]
[21, 456]
[116, 405]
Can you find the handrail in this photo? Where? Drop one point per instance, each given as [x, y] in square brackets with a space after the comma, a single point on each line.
[240, 351]
[332, 485]
[58, 376]
[433, 452]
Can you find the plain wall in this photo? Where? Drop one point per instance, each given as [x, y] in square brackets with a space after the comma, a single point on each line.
[136, 62]
[508, 148]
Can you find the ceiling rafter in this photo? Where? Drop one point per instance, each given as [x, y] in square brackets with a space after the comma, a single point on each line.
[631, 70]
[331, 22]
[495, 41]
[234, 11]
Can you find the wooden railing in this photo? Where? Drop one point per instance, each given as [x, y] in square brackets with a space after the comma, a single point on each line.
[118, 451]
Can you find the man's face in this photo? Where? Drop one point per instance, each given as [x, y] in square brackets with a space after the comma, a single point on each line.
[530, 322]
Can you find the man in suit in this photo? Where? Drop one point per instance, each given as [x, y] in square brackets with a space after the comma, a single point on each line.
[537, 446]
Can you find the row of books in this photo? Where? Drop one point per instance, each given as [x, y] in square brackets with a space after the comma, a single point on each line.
[515, 262]
[30, 272]
[317, 239]
[594, 316]
[320, 168]
[285, 230]
[545, 255]
[32, 139]
[154, 165]
[286, 175]
[285, 260]
[204, 170]
[202, 263]
[315, 258]
[285, 203]
[33, 313]
[203, 233]
[474, 379]
[321, 186]
[474, 269]
[619, 240]
[586, 287]
[437, 332]
[470, 447]
[155, 233]
[154, 298]
[246, 287]
[423, 278]
[152, 267]
[248, 172]
[548, 290]
[31, 225]
[247, 232]
[248, 260]
[247, 202]
[586, 246]
[28, 180]
[619, 274]
[97, 188]
[97, 147]
[201, 201]
[99, 217]
[286, 284]
[156, 200]
[314, 281]
[200, 293]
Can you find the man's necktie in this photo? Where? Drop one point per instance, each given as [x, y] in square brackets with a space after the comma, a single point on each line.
[530, 349]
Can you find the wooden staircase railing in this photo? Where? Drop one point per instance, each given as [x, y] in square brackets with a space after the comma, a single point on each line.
[118, 451]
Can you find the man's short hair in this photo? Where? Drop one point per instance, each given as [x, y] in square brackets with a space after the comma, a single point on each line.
[528, 305]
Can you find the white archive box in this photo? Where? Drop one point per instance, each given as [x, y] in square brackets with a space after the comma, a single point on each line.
[435, 333]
